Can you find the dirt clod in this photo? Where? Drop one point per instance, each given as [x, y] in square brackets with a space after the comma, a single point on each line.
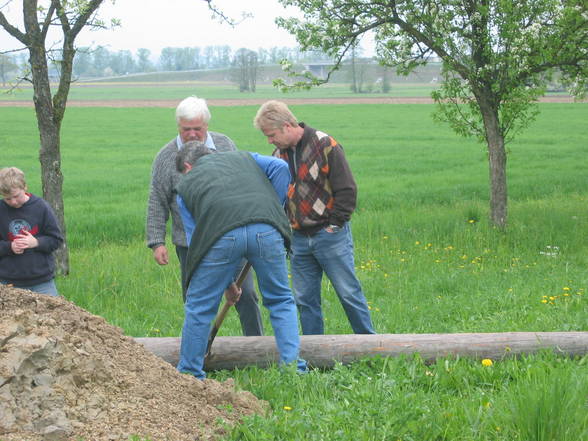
[67, 375]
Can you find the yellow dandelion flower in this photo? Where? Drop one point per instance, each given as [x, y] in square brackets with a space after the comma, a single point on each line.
[417, 242]
[551, 298]
[287, 408]
[544, 301]
[487, 362]
[566, 288]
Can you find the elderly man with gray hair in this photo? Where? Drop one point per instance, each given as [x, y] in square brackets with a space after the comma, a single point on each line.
[192, 117]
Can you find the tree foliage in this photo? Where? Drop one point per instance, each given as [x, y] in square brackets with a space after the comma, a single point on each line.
[244, 70]
[497, 55]
[7, 65]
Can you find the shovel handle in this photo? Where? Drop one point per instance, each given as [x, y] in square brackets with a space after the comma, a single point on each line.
[221, 315]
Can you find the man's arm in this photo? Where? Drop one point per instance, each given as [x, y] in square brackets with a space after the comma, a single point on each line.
[343, 187]
[5, 248]
[49, 237]
[187, 219]
[277, 172]
[158, 208]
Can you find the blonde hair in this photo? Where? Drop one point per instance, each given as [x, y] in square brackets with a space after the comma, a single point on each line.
[274, 115]
[11, 178]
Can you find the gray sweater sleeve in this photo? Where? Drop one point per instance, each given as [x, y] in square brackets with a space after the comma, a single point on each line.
[160, 191]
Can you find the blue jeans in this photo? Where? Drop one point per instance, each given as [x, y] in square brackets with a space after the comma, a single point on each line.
[263, 246]
[47, 287]
[247, 306]
[331, 253]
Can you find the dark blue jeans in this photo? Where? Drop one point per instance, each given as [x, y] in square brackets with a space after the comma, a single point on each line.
[331, 253]
[247, 306]
[263, 246]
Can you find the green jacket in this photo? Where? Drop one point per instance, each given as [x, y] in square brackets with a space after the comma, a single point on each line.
[225, 191]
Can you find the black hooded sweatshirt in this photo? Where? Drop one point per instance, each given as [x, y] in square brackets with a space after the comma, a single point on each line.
[35, 265]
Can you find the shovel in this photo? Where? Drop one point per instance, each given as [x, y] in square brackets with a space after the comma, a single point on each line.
[221, 315]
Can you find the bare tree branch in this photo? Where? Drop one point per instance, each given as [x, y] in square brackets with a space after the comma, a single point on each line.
[216, 12]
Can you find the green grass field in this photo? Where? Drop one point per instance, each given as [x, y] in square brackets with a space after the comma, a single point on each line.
[427, 257]
[211, 90]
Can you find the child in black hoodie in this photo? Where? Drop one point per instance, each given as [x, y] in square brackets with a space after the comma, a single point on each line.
[29, 234]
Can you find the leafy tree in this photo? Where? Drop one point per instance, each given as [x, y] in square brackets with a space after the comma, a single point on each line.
[83, 62]
[70, 17]
[497, 56]
[223, 56]
[7, 65]
[166, 58]
[357, 71]
[144, 64]
[244, 71]
[101, 60]
[123, 62]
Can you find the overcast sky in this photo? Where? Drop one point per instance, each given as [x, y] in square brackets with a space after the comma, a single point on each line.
[155, 24]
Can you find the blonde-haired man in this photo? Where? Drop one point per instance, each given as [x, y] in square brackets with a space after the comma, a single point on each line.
[321, 199]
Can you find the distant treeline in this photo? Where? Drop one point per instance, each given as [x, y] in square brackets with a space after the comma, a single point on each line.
[102, 62]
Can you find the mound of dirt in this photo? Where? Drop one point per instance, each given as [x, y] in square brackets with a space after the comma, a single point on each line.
[66, 374]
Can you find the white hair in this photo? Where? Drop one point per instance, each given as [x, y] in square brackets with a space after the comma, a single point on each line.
[193, 108]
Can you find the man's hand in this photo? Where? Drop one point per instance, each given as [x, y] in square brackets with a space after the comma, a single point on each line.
[160, 255]
[232, 293]
[332, 228]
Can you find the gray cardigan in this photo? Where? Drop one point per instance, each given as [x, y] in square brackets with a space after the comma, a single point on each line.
[162, 197]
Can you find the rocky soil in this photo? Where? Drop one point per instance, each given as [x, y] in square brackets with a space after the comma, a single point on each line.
[67, 375]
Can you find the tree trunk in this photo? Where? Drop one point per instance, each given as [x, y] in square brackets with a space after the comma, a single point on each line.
[323, 351]
[496, 162]
[49, 152]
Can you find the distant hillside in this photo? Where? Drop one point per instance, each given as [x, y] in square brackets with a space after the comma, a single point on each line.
[366, 72]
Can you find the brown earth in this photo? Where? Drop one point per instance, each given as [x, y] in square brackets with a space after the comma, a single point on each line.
[259, 101]
[67, 375]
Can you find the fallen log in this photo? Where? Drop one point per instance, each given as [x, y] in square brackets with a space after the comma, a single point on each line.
[323, 351]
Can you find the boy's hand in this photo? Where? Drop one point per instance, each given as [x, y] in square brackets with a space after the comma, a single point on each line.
[16, 248]
[26, 240]
[232, 294]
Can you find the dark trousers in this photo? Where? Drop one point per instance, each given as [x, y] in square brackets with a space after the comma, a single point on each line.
[247, 306]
